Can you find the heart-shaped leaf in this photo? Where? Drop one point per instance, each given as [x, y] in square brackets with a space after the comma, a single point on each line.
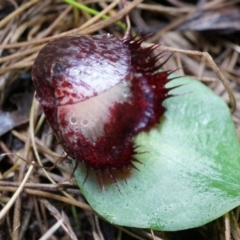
[191, 167]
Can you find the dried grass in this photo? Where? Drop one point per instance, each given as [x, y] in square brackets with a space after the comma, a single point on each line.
[23, 33]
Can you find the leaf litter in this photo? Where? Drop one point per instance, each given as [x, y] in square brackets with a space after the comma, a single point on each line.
[24, 28]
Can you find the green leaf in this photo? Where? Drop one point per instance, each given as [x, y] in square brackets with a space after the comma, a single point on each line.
[191, 170]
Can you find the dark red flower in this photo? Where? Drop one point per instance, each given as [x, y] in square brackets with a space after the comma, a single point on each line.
[97, 93]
